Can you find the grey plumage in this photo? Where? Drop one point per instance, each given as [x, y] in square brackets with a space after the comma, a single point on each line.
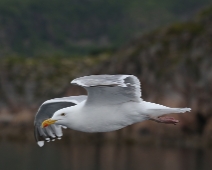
[110, 89]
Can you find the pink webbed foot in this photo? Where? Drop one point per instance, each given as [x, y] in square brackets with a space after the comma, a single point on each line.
[167, 120]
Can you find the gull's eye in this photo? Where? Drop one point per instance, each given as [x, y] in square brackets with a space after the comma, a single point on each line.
[62, 114]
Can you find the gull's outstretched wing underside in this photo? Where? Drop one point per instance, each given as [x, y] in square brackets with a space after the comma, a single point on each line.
[110, 89]
[46, 110]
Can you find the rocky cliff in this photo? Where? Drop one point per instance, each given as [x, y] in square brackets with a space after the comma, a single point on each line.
[174, 65]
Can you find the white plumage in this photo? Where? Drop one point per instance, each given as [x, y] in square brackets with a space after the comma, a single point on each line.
[113, 102]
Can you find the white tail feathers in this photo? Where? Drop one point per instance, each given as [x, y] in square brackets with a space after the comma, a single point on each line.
[183, 110]
[166, 110]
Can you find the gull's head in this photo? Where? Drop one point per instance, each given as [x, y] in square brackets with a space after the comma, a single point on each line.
[60, 117]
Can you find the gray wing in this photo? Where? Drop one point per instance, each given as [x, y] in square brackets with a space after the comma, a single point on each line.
[110, 89]
[46, 110]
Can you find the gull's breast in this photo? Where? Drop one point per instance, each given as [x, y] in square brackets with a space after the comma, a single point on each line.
[101, 119]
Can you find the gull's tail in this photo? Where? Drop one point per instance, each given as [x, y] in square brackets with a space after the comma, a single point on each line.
[157, 110]
[182, 110]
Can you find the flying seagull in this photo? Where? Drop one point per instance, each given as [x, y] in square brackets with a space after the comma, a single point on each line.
[113, 102]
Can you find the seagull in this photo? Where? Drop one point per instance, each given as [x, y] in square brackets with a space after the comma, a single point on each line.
[113, 102]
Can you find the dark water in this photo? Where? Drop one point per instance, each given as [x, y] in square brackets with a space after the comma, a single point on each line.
[57, 156]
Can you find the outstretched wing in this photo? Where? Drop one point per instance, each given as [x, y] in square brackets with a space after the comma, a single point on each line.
[110, 89]
[46, 110]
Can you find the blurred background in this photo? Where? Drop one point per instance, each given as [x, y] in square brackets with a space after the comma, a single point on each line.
[167, 44]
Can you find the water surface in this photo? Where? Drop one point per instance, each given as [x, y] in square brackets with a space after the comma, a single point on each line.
[57, 156]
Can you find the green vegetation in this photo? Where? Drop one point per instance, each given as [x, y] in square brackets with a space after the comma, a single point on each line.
[173, 64]
[207, 12]
[63, 28]
[30, 81]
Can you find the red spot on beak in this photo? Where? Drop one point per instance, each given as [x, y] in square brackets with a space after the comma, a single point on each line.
[45, 125]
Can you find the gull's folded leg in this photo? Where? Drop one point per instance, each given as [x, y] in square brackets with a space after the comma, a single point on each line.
[164, 119]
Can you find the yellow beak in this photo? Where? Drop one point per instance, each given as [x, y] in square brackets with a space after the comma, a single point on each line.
[48, 122]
